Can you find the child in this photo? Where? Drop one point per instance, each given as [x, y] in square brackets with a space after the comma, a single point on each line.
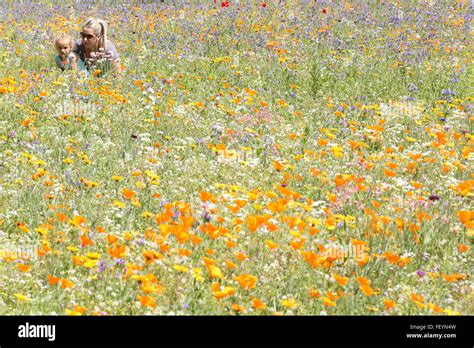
[66, 59]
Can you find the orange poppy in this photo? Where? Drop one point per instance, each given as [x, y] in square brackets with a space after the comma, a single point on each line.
[128, 194]
[151, 256]
[466, 218]
[389, 173]
[339, 181]
[23, 268]
[117, 251]
[238, 308]
[65, 283]
[298, 244]
[62, 217]
[391, 257]
[111, 239]
[389, 304]
[79, 260]
[227, 291]
[363, 281]
[276, 207]
[340, 280]
[230, 243]
[257, 304]
[78, 220]
[368, 291]
[314, 293]
[149, 288]
[453, 277]
[246, 281]
[241, 256]
[322, 142]
[278, 166]
[86, 241]
[252, 223]
[327, 302]
[80, 309]
[53, 280]
[418, 300]
[230, 264]
[147, 301]
[435, 308]
[184, 252]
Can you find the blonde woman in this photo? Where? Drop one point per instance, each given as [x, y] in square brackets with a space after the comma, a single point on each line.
[94, 49]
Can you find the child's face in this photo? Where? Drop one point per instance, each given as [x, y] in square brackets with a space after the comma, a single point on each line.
[64, 48]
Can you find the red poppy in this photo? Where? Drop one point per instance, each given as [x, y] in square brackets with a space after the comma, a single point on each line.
[225, 4]
[325, 11]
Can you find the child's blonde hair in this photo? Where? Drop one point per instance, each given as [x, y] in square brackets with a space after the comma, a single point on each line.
[99, 27]
[63, 37]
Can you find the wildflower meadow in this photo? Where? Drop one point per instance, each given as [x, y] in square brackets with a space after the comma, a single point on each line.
[254, 158]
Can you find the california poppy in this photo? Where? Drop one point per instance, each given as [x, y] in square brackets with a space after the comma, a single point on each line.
[389, 304]
[246, 281]
[23, 268]
[117, 251]
[85, 241]
[53, 280]
[340, 280]
[66, 283]
[147, 301]
[327, 302]
[128, 194]
[257, 304]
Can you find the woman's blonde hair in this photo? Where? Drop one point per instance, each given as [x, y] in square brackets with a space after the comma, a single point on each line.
[63, 37]
[100, 28]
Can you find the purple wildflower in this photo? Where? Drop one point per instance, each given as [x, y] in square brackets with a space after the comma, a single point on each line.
[420, 273]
